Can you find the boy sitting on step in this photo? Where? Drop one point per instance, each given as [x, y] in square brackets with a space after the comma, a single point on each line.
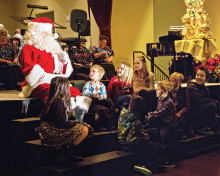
[133, 137]
[100, 103]
[203, 114]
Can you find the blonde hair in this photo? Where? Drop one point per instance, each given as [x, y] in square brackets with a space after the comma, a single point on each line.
[128, 74]
[17, 31]
[165, 85]
[3, 31]
[177, 76]
[100, 70]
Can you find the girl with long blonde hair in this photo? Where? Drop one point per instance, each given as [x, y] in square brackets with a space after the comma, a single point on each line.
[120, 88]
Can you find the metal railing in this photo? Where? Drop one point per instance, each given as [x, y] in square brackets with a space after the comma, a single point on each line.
[159, 75]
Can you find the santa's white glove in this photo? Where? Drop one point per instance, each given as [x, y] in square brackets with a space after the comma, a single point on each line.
[64, 57]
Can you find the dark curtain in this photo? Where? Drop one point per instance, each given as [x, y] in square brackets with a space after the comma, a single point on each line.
[102, 11]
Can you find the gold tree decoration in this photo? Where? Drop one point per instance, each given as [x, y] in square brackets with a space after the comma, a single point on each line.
[196, 22]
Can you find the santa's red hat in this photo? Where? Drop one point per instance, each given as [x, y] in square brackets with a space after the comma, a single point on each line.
[43, 24]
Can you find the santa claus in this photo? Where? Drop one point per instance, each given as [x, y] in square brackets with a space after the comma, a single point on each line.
[42, 59]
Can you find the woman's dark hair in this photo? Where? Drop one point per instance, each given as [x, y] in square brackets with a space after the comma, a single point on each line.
[137, 104]
[59, 88]
[101, 37]
[17, 39]
[205, 70]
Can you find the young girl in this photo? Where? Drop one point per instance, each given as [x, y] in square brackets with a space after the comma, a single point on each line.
[203, 110]
[97, 91]
[144, 84]
[164, 118]
[177, 94]
[143, 79]
[120, 87]
[56, 130]
[181, 103]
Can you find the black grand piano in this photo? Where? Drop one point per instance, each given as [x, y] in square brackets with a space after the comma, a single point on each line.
[181, 62]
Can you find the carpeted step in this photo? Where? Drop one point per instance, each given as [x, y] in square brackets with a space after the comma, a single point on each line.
[108, 163]
[25, 128]
[95, 143]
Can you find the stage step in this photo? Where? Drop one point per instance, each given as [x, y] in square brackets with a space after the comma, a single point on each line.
[95, 143]
[196, 145]
[14, 107]
[25, 128]
[201, 144]
[101, 142]
[98, 163]
[101, 164]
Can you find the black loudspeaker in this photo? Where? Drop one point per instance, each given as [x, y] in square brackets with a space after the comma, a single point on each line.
[87, 32]
[78, 20]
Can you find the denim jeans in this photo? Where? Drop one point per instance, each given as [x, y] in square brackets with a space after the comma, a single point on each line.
[122, 101]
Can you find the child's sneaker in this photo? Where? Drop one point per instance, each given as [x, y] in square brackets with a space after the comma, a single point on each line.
[205, 131]
[143, 170]
[167, 164]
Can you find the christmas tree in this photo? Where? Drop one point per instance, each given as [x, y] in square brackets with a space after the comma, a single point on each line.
[196, 22]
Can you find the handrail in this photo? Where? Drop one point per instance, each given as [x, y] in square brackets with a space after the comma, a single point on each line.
[159, 74]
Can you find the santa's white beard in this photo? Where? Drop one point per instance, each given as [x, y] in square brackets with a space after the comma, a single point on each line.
[46, 43]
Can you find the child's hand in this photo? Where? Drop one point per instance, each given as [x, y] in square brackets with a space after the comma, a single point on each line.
[104, 53]
[95, 95]
[149, 113]
[178, 115]
[148, 117]
[101, 97]
[146, 137]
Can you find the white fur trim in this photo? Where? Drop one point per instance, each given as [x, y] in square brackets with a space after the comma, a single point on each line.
[43, 27]
[34, 76]
[46, 78]
[55, 35]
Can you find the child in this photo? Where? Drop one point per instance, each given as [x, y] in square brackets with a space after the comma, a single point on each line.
[56, 130]
[143, 83]
[120, 87]
[162, 122]
[181, 103]
[133, 137]
[97, 91]
[176, 80]
[164, 118]
[142, 78]
[202, 114]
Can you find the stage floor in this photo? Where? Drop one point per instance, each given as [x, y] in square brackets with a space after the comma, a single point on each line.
[11, 95]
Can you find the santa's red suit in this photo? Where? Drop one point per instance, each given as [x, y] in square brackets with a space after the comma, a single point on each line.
[41, 60]
[39, 67]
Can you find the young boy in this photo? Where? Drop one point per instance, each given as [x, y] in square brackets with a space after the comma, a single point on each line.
[134, 138]
[164, 117]
[163, 121]
[97, 91]
[203, 110]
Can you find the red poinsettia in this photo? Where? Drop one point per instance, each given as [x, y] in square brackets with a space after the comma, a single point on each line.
[212, 64]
